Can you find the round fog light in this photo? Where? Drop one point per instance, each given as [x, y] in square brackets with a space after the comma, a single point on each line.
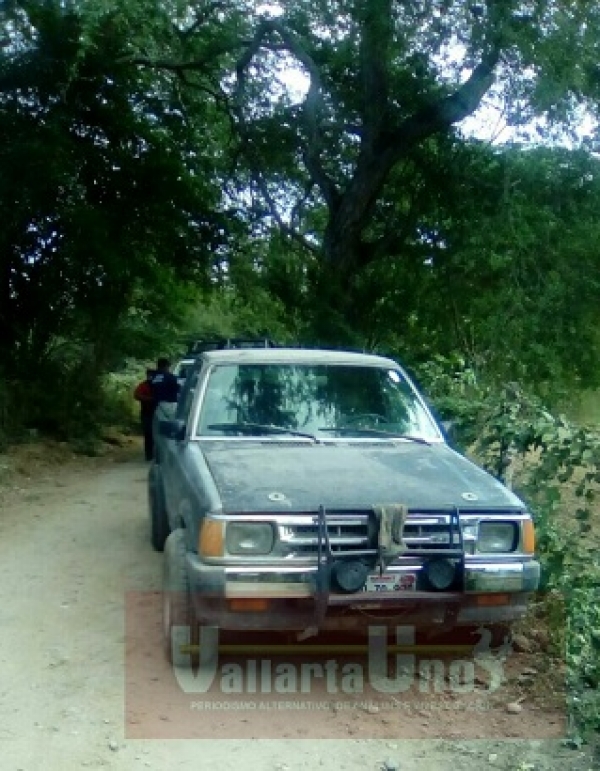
[440, 573]
[350, 576]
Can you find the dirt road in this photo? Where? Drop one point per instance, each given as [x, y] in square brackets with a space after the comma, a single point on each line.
[78, 669]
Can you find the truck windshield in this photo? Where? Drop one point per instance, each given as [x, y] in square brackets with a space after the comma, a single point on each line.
[325, 401]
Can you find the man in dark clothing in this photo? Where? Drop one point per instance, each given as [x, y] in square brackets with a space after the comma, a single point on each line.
[160, 386]
[143, 394]
[164, 384]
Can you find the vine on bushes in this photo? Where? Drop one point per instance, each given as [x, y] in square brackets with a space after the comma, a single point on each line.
[559, 475]
[555, 466]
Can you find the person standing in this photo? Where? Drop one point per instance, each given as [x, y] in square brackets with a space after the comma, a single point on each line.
[164, 384]
[143, 394]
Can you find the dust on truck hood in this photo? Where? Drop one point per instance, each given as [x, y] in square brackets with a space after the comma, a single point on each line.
[263, 478]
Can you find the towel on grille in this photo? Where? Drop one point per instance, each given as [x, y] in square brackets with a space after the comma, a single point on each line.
[391, 518]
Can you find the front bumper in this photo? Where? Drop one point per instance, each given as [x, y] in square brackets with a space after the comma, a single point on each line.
[493, 593]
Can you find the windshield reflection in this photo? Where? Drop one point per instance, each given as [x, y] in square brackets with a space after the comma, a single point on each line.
[325, 401]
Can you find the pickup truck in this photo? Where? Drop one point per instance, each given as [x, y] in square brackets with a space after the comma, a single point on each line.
[181, 369]
[307, 490]
[201, 346]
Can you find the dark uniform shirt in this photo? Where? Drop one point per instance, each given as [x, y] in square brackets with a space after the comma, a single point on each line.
[165, 387]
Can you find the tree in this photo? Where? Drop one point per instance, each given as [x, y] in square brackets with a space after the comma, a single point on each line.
[518, 271]
[97, 192]
[386, 82]
[103, 207]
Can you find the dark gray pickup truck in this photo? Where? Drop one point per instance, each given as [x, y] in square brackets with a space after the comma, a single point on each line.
[312, 490]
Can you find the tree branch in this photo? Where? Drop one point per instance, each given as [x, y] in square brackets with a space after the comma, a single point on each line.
[167, 64]
[446, 112]
[313, 103]
[296, 212]
[374, 64]
[288, 230]
[342, 240]
[202, 17]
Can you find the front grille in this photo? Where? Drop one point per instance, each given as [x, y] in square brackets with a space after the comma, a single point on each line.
[356, 532]
[429, 534]
[347, 532]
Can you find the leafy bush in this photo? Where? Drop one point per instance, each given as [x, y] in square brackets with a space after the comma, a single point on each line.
[226, 313]
[555, 466]
[67, 397]
[5, 413]
[459, 397]
[118, 408]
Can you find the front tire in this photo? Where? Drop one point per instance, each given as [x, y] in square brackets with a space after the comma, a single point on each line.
[180, 626]
[177, 616]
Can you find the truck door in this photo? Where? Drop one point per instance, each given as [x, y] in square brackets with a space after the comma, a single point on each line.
[173, 452]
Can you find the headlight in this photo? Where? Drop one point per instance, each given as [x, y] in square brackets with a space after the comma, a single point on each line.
[249, 538]
[494, 537]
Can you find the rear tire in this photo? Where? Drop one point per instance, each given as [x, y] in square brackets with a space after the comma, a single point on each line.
[159, 520]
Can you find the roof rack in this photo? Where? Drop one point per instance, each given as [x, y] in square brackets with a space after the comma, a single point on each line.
[221, 343]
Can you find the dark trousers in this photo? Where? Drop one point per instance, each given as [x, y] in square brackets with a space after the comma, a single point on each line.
[147, 429]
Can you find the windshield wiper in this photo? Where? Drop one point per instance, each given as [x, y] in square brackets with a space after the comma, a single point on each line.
[266, 429]
[375, 432]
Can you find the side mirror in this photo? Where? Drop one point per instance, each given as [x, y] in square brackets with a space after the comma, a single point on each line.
[172, 429]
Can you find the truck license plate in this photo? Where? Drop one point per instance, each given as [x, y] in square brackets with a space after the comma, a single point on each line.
[405, 582]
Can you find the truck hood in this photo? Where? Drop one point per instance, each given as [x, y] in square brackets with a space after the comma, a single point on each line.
[282, 476]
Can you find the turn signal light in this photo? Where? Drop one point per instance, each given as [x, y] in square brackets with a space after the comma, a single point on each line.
[492, 599]
[211, 538]
[528, 537]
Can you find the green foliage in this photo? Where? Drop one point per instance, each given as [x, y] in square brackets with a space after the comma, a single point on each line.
[498, 265]
[563, 488]
[7, 417]
[518, 268]
[228, 313]
[555, 466]
[150, 155]
[105, 218]
[117, 407]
